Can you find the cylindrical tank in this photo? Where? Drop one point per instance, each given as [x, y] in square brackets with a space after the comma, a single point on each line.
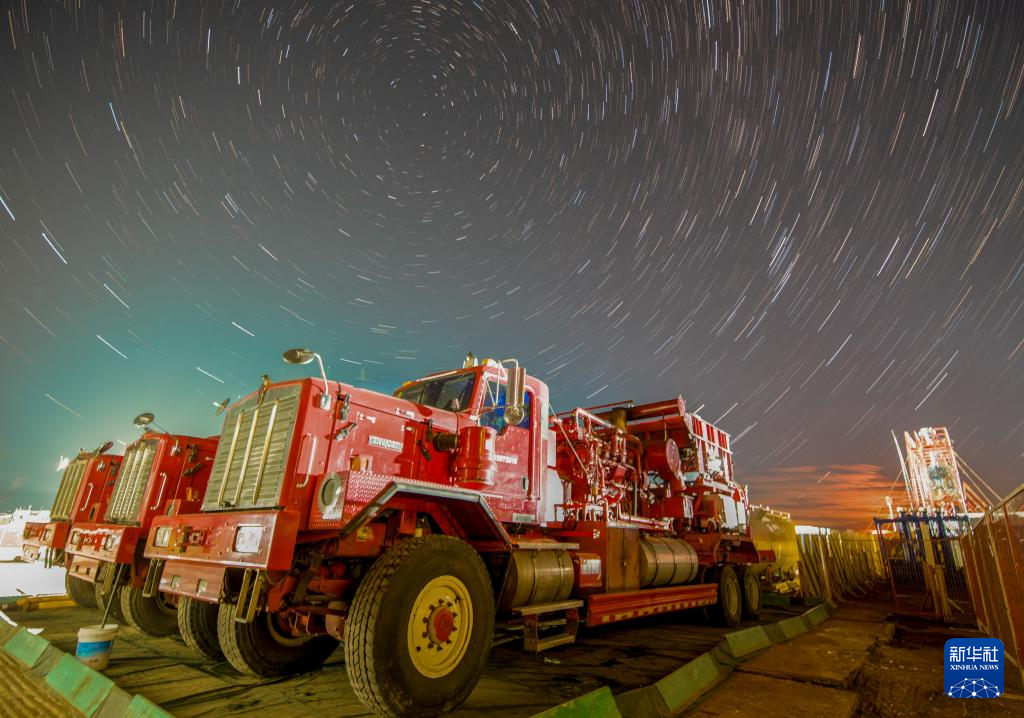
[775, 530]
[536, 576]
[666, 562]
[474, 464]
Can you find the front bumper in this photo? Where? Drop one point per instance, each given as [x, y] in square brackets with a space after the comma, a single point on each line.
[104, 542]
[199, 548]
[43, 540]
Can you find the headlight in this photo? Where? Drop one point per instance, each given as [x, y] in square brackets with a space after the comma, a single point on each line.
[247, 539]
[163, 536]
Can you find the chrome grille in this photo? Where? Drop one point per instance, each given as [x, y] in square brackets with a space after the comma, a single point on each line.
[130, 486]
[67, 489]
[249, 467]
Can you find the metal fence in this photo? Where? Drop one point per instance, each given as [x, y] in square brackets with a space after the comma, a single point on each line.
[993, 550]
[925, 564]
[836, 564]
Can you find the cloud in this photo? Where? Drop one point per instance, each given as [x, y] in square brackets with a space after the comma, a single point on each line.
[836, 496]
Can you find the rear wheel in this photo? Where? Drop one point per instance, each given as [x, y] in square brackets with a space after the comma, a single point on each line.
[729, 608]
[751, 594]
[115, 614]
[80, 591]
[154, 616]
[264, 648]
[197, 623]
[419, 630]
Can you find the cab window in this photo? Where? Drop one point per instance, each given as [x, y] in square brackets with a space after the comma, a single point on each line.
[452, 393]
[495, 397]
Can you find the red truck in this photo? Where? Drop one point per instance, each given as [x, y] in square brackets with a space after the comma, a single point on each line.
[159, 469]
[81, 496]
[404, 524]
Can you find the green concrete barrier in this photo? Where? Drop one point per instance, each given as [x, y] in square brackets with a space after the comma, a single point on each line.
[681, 688]
[140, 707]
[83, 687]
[91, 692]
[793, 627]
[749, 640]
[26, 647]
[596, 704]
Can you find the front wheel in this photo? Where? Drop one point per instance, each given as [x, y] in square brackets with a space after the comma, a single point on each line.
[197, 624]
[729, 609]
[80, 591]
[419, 629]
[264, 648]
[154, 616]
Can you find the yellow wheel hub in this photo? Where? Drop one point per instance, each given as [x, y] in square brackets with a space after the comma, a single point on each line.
[440, 625]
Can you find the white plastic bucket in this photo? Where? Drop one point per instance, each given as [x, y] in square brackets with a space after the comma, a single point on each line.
[94, 644]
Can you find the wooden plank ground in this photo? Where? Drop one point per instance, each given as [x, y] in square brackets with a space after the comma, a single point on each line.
[515, 684]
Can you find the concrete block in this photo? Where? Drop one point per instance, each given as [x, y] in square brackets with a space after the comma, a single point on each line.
[684, 685]
[26, 647]
[596, 704]
[83, 687]
[142, 708]
[643, 702]
[792, 627]
[749, 640]
[817, 614]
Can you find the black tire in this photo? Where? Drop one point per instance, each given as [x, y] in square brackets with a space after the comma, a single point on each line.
[751, 584]
[80, 591]
[115, 615]
[382, 628]
[154, 616]
[260, 649]
[729, 609]
[197, 623]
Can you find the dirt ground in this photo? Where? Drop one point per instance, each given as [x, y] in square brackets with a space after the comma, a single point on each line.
[903, 679]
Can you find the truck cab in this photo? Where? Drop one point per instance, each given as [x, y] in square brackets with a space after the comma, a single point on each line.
[158, 468]
[81, 496]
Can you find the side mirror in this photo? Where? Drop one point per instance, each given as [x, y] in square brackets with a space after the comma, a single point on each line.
[143, 420]
[298, 356]
[222, 405]
[515, 395]
[103, 448]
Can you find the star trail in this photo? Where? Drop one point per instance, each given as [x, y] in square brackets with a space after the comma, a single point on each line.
[805, 217]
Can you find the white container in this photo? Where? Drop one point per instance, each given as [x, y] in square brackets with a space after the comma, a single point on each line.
[94, 644]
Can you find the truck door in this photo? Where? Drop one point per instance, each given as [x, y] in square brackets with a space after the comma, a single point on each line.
[513, 445]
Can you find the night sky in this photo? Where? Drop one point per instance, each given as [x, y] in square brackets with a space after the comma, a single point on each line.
[805, 217]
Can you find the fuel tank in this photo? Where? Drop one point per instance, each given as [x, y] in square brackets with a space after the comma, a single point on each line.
[666, 562]
[537, 575]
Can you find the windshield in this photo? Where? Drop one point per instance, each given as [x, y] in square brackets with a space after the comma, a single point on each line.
[450, 392]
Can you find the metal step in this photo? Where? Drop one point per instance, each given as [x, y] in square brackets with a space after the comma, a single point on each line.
[537, 609]
[552, 641]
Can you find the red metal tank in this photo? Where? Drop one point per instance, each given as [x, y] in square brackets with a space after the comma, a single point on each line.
[474, 464]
